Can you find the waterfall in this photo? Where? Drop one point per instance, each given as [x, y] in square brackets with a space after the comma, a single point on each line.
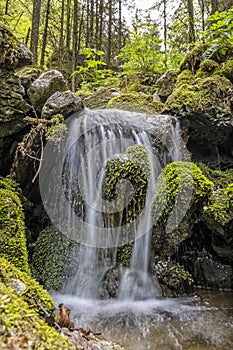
[84, 214]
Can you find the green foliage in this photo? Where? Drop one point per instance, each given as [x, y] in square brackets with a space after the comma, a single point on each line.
[134, 102]
[92, 75]
[12, 227]
[21, 320]
[52, 258]
[220, 33]
[143, 53]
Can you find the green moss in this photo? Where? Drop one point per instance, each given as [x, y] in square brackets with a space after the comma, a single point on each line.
[173, 279]
[21, 324]
[31, 292]
[227, 70]
[220, 206]
[193, 58]
[57, 130]
[185, 77]
[124, 255]
[207, 68]
[134, 102]
[181, 193]
[219, 178]
[12, 227]
[8, 49]
[52, 258]
[199, 96]
[133, 167]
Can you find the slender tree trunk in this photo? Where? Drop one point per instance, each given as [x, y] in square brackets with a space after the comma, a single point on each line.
[101, 16]
[81, 21]
[120, 25]
[91, 32]
[109, 48]
[45, 33]
[191, 21]
[61, 39]
[74, 42]
[214, 6]
[6, 7]
[68, 31]
[35, 29]
[87, 23]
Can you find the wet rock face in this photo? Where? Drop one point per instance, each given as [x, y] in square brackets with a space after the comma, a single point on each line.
[45, 86]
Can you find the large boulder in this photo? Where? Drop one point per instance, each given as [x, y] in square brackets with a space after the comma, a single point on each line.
[65, 103]
[100, 98]
[13, 54]
[45, 86]
[202, 99]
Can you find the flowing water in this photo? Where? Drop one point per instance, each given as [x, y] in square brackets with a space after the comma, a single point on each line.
[139, 318]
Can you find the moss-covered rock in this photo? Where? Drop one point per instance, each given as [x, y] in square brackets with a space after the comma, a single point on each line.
[127, 174]
[173, 279]
[165, 84]
[52, 258]
[12, 227]
[21, 320]
[28, 75]
[227, 70]
[100, 98]
[12, 53]
[134, 102]
[193, 58]
[181, 193]
[207, 67]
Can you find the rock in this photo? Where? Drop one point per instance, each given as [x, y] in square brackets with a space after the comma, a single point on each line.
[13, 54]
[65, 103]
[45, 86]
[165, 84]
[136, 102]
[100, 98]
[13, 108]
[212, 274]
[27, 76]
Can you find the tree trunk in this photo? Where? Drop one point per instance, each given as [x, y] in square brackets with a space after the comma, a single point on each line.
[191, 21]
[74, 42]
[35, 29]
[109, 48]
[45, 33]
[68, 31]
[61, 39]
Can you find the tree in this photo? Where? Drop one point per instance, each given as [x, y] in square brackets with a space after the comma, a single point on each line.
[35, 29]
[45, 33]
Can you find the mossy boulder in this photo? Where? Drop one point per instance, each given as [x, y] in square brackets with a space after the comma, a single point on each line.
[52, 258]
[13, 53]
[181, 194]
[27, 76]
[12, 227]
[100, 98]
[125, 184]
[135, 102]
[193, 58]
[165, 84]
[21, 319]
[227, 70]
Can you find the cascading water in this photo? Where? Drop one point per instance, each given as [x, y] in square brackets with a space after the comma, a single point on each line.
[73, 195]
[94, 138]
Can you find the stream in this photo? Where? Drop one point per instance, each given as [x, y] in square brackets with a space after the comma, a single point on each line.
[201, 322]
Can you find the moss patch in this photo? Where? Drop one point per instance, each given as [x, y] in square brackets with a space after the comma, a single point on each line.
[201, 95]
[134, 167]
[134, 102]
[181, 193]
[173, 279]
[20, 322]
[12, 227]
[52, 258]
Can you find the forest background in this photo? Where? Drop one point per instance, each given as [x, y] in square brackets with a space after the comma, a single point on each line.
[93, 43]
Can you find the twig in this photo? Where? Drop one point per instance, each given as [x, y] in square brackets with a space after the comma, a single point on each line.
[41, 159]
